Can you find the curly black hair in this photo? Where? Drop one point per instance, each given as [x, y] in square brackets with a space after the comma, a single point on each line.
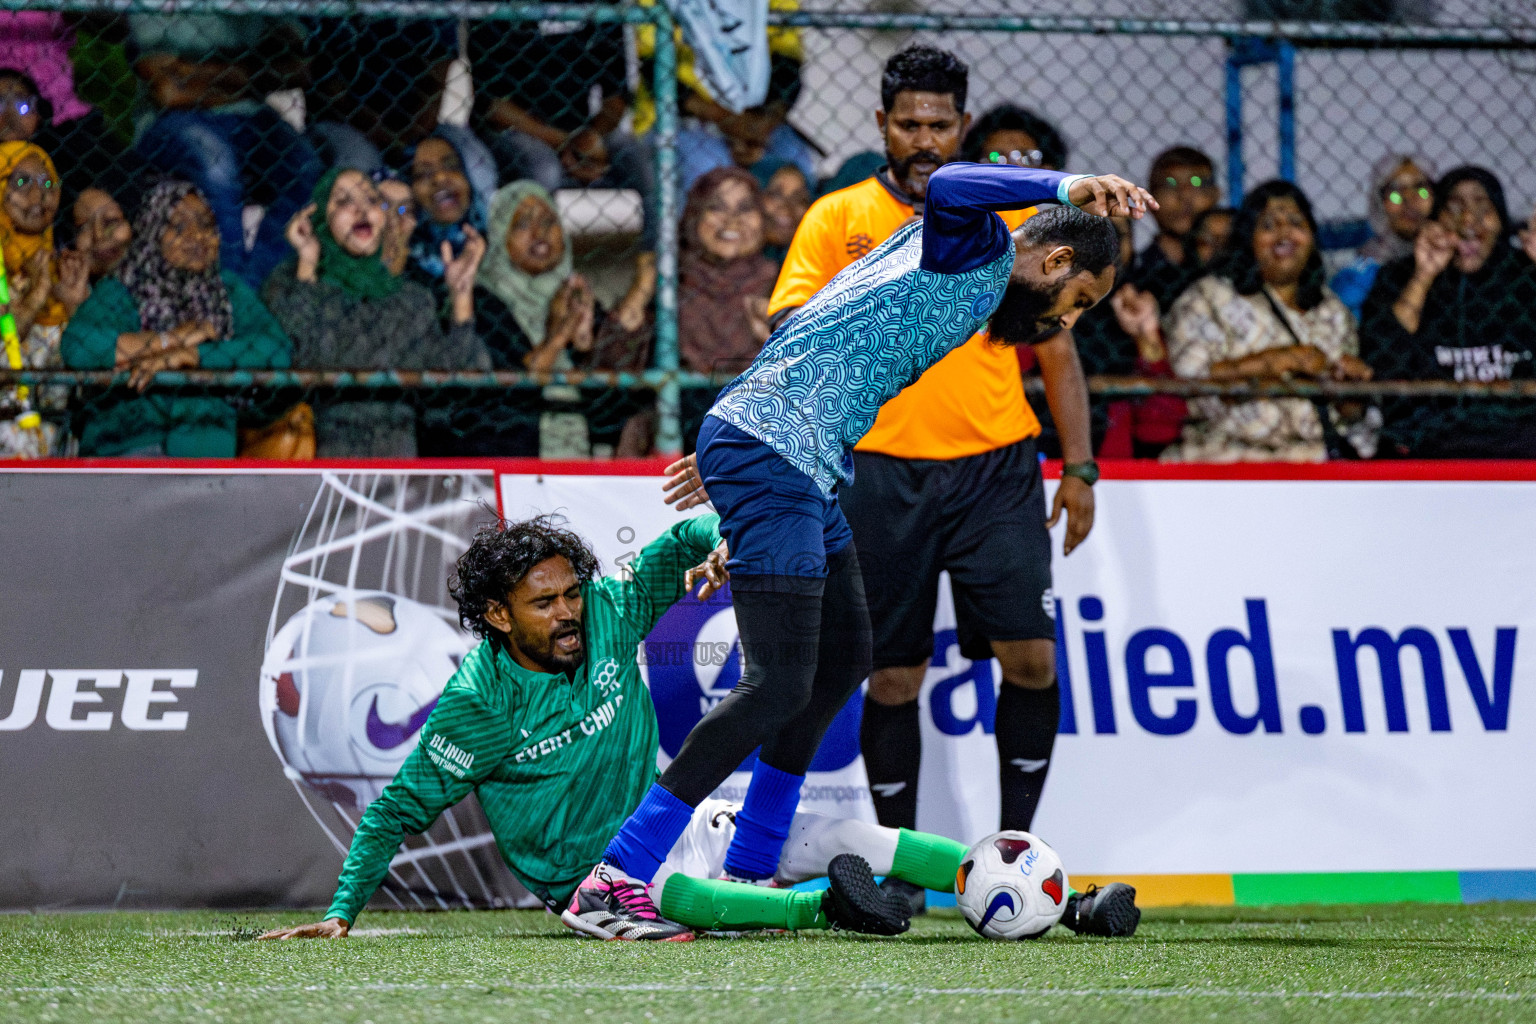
[502, 553]
[1011, 117]
[921, 68]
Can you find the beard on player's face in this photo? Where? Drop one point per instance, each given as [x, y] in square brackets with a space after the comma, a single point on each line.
[1024, 316]
[914, 183]
[550, 646]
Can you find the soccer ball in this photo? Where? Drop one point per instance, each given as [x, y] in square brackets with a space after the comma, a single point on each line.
[1011, 886]
[347, 684]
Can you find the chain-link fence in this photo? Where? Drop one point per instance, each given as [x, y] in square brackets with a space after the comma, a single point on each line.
[551, 133]
[403, 228]
[1362, 115]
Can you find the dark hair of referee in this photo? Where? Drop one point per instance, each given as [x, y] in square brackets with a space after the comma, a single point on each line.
[922, 115]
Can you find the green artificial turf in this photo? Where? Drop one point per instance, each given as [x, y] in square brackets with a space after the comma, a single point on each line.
[1406, 962]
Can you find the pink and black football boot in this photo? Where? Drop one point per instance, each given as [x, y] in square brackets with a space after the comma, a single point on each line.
[611, 905]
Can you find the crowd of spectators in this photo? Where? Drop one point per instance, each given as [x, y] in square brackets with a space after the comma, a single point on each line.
[248, 192]
[1444, 290]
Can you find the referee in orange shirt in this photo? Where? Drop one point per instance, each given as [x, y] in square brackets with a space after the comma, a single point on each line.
[948, 477]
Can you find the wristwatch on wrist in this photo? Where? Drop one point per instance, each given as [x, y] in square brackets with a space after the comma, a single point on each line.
[1087, 472]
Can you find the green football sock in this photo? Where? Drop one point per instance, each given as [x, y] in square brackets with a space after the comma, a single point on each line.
[732, 906]
[927, 860]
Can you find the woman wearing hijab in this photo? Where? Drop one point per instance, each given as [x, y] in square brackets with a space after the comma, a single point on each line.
[724, 281]
[536, 314]
[1401, 194]
[170, 307]
[46, 287]
[453, 210]
[1457, 308]
[532, 307]
[344, 310]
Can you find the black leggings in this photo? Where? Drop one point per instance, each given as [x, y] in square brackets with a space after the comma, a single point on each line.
[803, 654]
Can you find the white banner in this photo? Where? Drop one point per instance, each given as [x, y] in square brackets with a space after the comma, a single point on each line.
[1260, 676]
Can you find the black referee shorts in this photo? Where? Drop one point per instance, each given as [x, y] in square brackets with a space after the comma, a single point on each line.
[981, 518]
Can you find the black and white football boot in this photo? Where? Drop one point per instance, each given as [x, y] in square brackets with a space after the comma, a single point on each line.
[854, 902]
[1110, 912]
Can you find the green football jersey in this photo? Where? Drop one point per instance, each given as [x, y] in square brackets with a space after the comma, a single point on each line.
[557, 763]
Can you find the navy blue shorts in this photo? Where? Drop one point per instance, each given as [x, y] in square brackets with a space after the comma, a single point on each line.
[773, 517]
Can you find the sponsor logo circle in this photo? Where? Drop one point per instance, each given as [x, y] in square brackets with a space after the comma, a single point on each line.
[982, 304]
[693, 659]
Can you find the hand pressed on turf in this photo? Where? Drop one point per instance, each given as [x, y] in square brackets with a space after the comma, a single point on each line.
[330, 928]
[1075, 497]
[684, 487]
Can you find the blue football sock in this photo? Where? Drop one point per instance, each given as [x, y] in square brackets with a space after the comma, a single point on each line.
[649, 834]
[762, 825]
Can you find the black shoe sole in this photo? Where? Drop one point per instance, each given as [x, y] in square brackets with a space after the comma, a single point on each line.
[915, 895]
[856, 904]
[1115, 914]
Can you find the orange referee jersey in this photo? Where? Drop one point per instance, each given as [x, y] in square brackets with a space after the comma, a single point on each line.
[969, 402]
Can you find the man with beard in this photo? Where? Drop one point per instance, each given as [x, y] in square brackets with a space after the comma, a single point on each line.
[947, 479]
[779, 440]
[549, 723]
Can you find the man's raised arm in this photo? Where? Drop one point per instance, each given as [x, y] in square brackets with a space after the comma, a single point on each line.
[960, 232]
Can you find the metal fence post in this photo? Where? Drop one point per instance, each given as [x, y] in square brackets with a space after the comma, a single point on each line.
[669, 436]
[1234, 125]
[1285, 61]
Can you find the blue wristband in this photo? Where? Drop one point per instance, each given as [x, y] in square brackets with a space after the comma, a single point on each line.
[1065, 187]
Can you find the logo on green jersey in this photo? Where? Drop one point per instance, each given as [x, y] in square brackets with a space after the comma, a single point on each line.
[606, 676]
[448, 756]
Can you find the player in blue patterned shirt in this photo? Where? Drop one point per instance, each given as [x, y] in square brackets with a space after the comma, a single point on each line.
[780, 438]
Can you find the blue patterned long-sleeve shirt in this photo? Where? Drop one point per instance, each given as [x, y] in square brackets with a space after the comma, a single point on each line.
[818, 383]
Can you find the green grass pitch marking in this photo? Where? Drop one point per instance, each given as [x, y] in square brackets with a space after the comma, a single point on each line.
[1401, 962]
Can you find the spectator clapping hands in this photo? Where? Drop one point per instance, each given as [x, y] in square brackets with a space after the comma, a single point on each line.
[300, 233]
[1433, 250]
[1138, 314]
[72, 285]
[459, 273]
[572, 312]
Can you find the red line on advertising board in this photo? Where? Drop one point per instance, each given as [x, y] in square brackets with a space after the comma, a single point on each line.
[1112, 469]
[1470, 470]
[565, 467]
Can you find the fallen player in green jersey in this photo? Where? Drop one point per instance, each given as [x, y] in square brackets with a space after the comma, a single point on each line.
[550, 724]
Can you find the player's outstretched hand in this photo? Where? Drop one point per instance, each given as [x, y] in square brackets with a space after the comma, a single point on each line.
[1076, 497]
[330, 928]
[1110, 195]
[712, 571]
[684, 487]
